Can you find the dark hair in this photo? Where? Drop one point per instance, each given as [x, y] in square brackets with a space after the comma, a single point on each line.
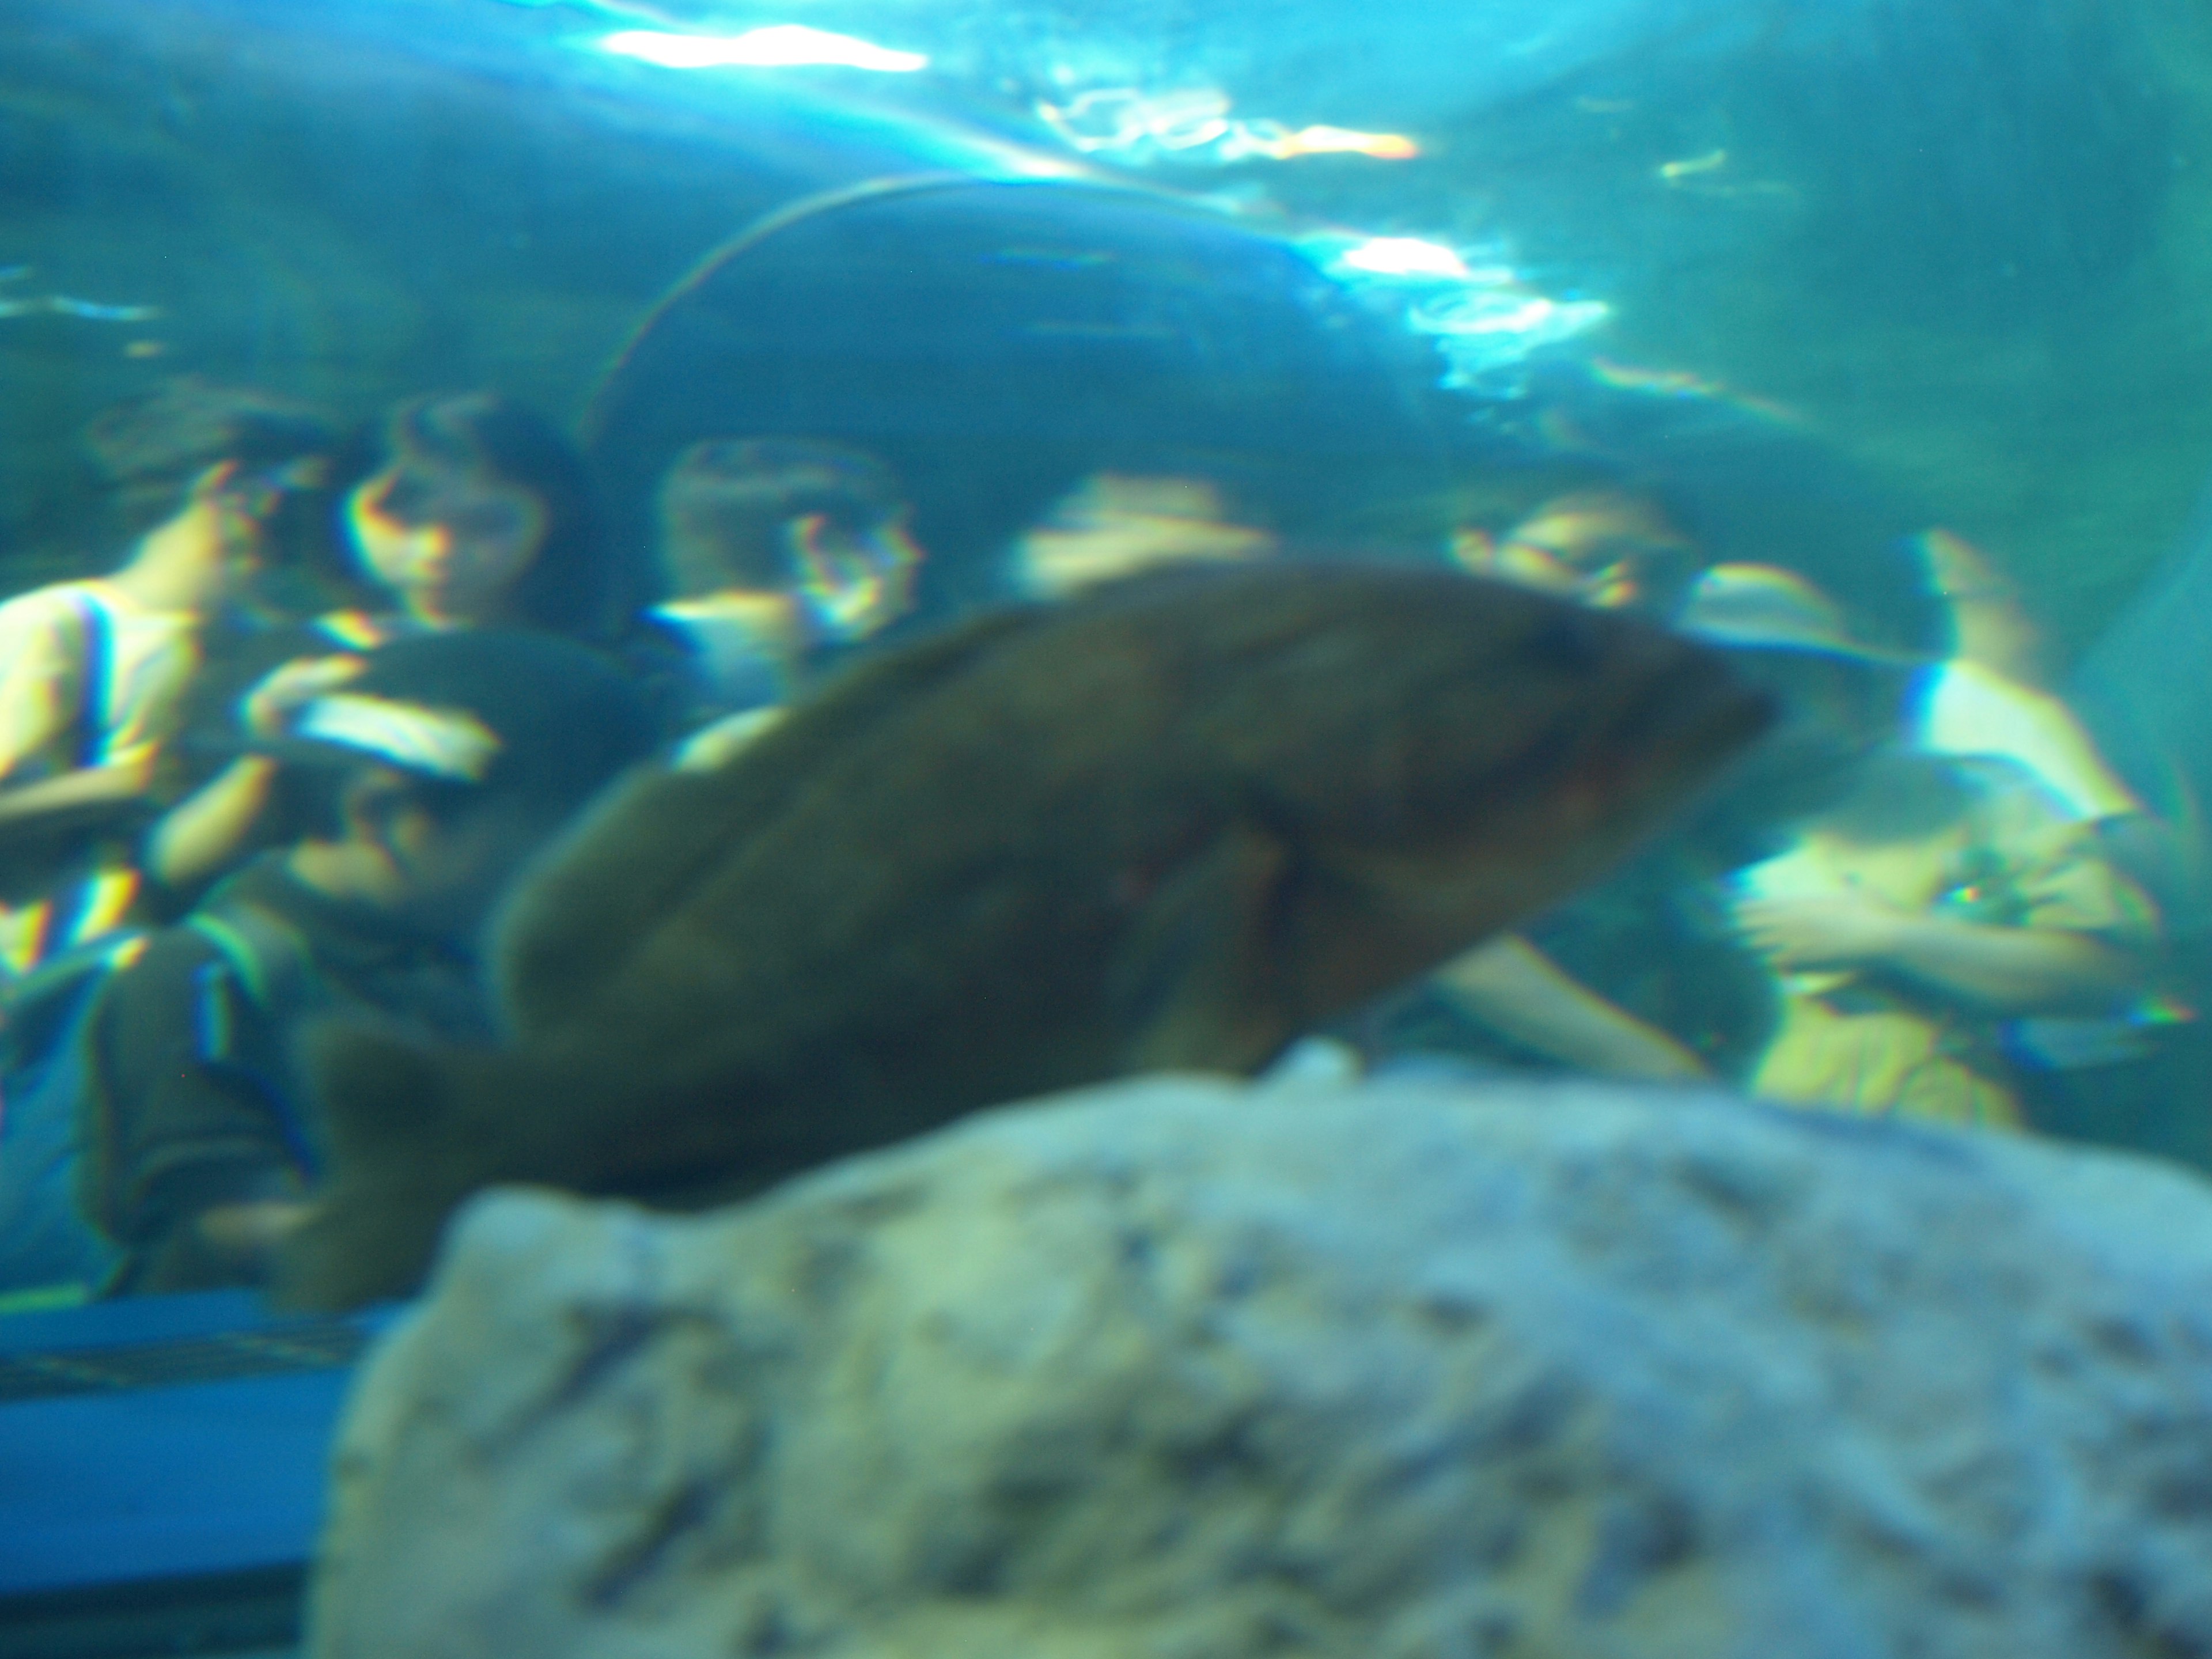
[1905, 794]
[153, 448]
[724, 503]
[564, 719]
[571, 586]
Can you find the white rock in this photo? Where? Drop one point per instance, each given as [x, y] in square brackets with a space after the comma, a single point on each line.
[1196, 1370]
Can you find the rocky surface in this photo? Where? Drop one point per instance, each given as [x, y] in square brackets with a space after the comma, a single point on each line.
[1191, 1369]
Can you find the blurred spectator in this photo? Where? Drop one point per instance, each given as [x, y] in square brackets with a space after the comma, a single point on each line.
[472, 512]
[94, 674]
[779, 553]
[1910, 921]
[442, 765]
[1115, 524]
[1941, 896]
[1611, 548]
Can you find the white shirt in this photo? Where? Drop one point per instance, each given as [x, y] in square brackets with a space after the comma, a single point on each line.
[44, 636]
[1966, 709]
[47, 692]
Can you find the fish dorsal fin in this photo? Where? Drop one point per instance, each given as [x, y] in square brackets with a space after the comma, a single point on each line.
[576, 916]
[613, 878]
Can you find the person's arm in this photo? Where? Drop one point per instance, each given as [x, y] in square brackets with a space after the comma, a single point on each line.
[2006, 969]
[1520, 993]
[2076, 936]
[208, 831]
[204, 833]
[92, 791]
[2014, 970]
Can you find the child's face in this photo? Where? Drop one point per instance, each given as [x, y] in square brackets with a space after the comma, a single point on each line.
[239, 505]
[449, 546]
[853, 583]
[452, 871]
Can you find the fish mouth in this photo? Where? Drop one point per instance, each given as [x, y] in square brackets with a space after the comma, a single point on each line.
[1578, 786]
[1571, 802]
[1608, 772]
[1675, 728]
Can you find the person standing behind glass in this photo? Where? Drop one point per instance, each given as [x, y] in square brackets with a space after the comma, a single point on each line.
[440, 770]
[473, 512]
[781, 555]
[1939, 897]
[93, 673]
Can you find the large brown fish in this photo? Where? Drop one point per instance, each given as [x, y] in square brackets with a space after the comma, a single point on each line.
[1174, 824]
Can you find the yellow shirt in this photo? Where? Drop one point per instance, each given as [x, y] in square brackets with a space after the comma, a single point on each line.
[2014, 856]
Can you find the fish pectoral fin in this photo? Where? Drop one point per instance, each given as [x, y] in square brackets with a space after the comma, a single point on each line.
[1195, 983]
[387, 1106]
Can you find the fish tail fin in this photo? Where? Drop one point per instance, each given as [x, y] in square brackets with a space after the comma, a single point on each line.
[393, 1112]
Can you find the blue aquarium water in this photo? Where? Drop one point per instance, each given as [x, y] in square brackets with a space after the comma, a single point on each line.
[698, 354]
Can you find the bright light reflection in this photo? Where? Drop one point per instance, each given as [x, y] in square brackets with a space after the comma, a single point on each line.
[1533, 317]
[1193, 123]
[1404, 256]
[783, 46]
[1343, 141]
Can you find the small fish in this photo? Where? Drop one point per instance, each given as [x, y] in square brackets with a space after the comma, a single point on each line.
[1174, 824]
